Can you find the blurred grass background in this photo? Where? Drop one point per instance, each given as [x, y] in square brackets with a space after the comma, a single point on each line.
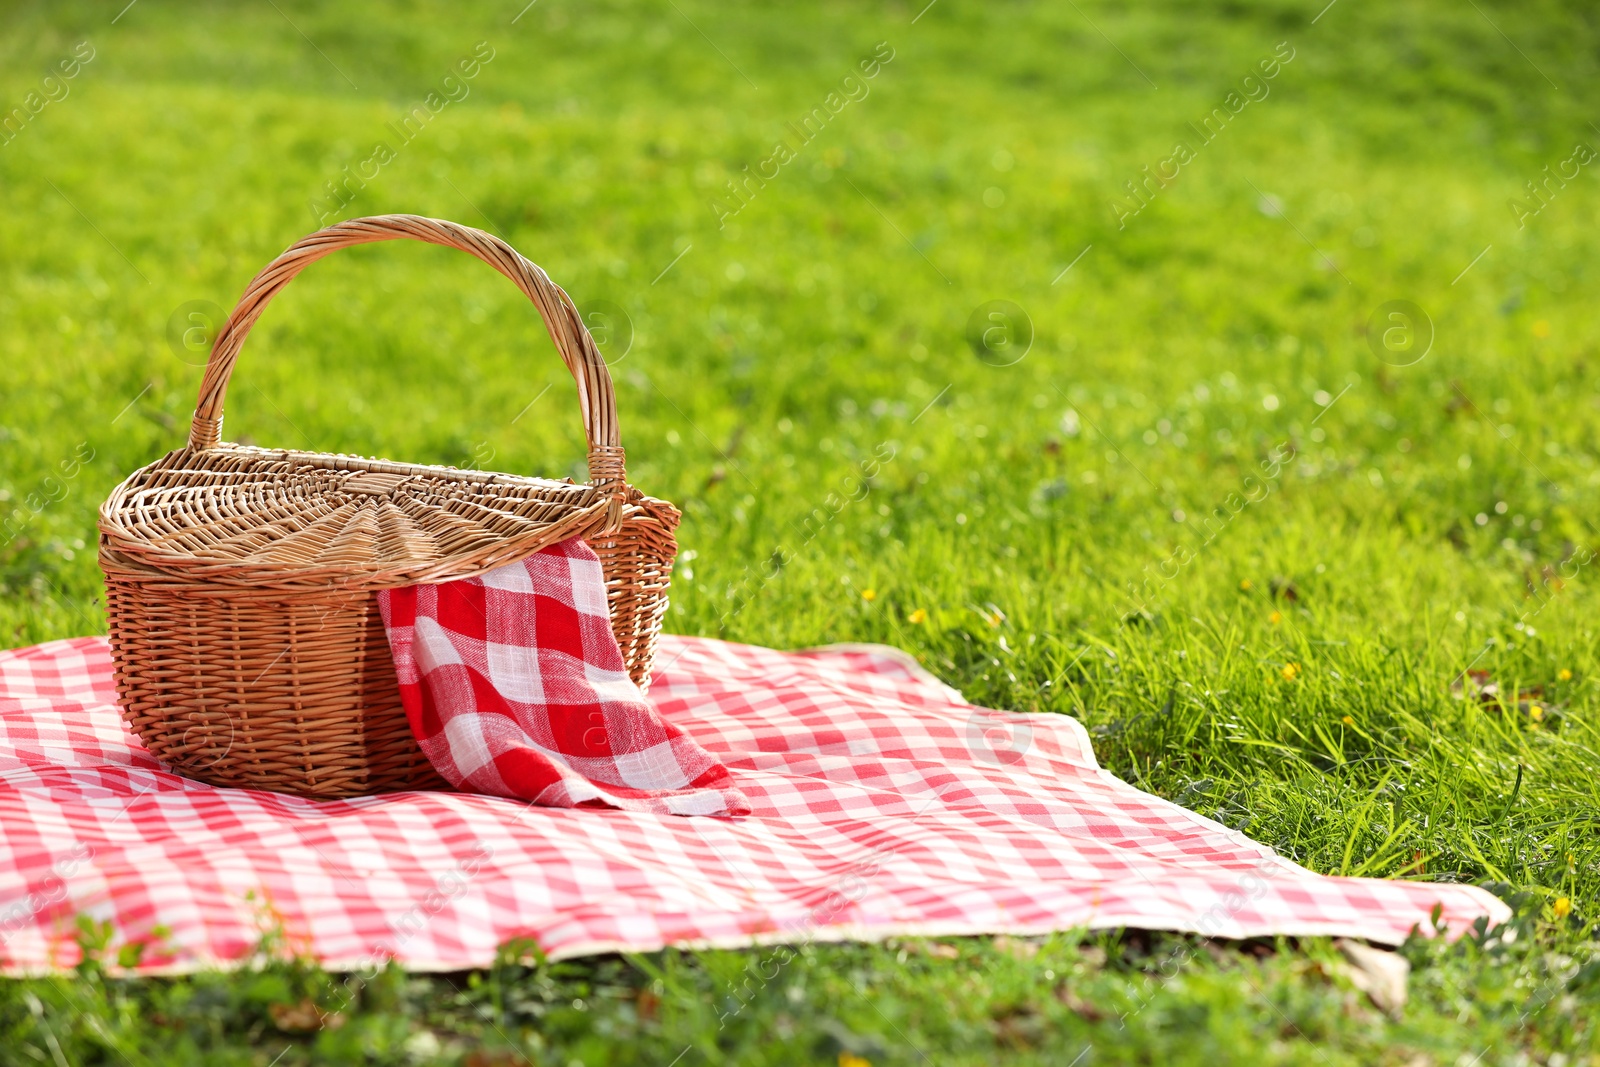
[1293, 679]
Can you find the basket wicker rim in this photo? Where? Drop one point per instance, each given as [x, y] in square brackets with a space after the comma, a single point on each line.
[591, 508]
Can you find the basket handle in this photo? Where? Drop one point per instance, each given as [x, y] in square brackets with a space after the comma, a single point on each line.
[595, 393]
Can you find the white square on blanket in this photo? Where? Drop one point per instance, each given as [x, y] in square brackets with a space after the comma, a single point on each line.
[432, 645]
[514, 672]
[611, 687]
[655, 767]
[588, 587]
[513, 578]
[468, 748]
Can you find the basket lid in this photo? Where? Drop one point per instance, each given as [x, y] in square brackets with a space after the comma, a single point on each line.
[239, 515]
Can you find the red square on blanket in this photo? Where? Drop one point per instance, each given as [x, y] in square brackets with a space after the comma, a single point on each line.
[514, 685]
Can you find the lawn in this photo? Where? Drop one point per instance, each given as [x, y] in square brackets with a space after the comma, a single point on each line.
[1222, 375]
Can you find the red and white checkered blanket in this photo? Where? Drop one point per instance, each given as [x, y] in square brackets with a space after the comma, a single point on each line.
[514, 685]
[881, 803]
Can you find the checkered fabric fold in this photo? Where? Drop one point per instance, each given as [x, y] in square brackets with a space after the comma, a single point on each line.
[881, 804]
[515, 686]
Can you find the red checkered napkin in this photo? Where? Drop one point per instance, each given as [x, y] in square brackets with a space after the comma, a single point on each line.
[515, 686]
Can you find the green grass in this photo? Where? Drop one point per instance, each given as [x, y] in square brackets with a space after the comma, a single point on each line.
[1043, 519]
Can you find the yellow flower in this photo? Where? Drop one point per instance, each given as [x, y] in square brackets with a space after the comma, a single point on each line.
[1541, 329]
[917, 618]
[1348, 720]
[1565, 675]
[869, 595]
[850, 1059]
[1536, 713]
[1275, 618]
[1289, 671]
[1245, 584]
[1562, 907]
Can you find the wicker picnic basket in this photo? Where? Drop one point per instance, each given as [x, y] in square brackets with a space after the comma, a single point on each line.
[241, 581]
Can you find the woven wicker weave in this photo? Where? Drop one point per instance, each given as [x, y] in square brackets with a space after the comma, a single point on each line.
[241, 581]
